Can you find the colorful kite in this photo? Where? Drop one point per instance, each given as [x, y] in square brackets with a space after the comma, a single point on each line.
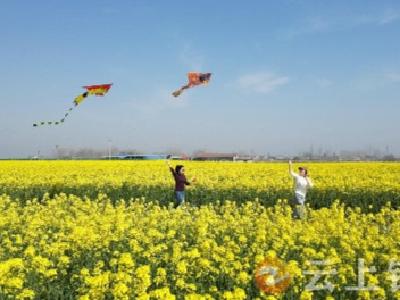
[97, 90]
[194, 79]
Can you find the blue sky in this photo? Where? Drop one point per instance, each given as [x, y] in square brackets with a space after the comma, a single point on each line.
[286, 74]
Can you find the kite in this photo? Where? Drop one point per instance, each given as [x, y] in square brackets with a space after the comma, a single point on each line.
[194, 79]
[97, 90]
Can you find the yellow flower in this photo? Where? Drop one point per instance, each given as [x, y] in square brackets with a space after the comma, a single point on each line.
[306, 295]
[51, 272]
[15, 283]
[126, 260]
[120, 291]
[244, 278]
[26, 294]
[239, 294]
[29, 251]
[84, 272]
[180, 283]
[181, 267]
[228, 295]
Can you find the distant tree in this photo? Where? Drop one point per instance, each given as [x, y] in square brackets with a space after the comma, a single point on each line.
[389, 157]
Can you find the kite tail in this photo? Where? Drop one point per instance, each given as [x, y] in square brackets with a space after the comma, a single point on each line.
[62, 120]
[178, 92]
[77, 100]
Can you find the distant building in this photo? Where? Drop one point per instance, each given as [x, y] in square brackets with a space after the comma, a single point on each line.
[208, 156]
[245, 158]
[137, 156]
[177, 157]
[144, 157]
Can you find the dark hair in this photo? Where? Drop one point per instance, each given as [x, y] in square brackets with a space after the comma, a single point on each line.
[178, 169]
[303, 168]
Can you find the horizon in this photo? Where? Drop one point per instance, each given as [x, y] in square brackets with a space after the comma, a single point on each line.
[311, 153]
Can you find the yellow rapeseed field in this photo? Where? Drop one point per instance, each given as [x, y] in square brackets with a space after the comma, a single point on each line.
[355, 184]
[108, 230]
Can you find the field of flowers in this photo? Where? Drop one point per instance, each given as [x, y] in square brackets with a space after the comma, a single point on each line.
[355, 184]
[107, 230]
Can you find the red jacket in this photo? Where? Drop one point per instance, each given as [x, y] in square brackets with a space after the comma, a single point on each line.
[180, 181]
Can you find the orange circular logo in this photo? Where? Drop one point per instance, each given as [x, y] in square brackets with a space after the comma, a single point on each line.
[272, 276]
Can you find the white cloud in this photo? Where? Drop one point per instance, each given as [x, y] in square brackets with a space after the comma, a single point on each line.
[393, 77]
[323, 82]
[262, 82]
[389, 16]
[310, 26]
[380, 18]
[327, 24]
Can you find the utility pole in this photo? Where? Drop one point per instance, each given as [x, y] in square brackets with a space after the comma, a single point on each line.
[109, 149]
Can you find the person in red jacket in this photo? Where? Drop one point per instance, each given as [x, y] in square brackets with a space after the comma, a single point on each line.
[180, 183]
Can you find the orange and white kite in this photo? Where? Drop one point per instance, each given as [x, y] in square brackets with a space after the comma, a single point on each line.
[194, 78]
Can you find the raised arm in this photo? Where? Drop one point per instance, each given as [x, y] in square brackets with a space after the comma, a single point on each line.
[170, 167]
[293, 174]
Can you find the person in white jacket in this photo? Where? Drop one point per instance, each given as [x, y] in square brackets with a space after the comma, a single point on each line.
[301, 184]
